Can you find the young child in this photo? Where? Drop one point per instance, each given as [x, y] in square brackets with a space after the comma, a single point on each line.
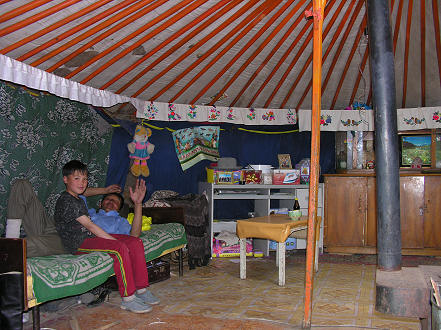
[80, 235]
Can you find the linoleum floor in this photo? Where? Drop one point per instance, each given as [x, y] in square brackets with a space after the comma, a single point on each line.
[213, 297]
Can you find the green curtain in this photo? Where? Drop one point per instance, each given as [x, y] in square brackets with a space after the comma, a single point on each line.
[39, 133]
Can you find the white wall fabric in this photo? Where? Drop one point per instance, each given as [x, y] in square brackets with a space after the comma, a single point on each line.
[331, 120]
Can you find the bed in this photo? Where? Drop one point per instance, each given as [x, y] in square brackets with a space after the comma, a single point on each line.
[57, 276]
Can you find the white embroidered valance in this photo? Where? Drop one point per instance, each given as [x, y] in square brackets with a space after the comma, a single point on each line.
[339, 120]
[331, 120]
[363, 120]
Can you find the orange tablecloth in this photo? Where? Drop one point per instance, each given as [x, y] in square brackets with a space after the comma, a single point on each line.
[276, 227]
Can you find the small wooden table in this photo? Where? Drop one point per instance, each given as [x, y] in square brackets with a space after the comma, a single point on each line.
[276, 227]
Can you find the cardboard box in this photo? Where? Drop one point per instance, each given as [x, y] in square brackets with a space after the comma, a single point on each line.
[252, 176]
[158, 271]
[286, 176]
[290, 244]
[227, 176]
[303, 166]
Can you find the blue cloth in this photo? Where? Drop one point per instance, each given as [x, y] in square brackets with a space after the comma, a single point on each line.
[111, 222]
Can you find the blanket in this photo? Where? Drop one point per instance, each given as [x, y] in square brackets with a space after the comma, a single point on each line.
[60, 276]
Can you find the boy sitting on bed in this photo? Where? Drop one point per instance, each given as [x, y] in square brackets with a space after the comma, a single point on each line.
[80, 235]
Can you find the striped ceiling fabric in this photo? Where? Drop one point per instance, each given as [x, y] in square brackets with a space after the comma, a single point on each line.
[228, 53]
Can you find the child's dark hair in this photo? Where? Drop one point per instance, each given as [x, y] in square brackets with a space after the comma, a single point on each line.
[74, 166]
[121, 199]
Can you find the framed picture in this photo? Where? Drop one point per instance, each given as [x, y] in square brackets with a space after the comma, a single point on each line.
[284, 161]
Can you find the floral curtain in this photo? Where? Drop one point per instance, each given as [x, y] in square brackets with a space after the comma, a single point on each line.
[39, 133]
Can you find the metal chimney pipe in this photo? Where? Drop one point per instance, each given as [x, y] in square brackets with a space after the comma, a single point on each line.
[386, 135]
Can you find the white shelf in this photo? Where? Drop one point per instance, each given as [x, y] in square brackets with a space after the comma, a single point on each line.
[239, 196]
[262, 194]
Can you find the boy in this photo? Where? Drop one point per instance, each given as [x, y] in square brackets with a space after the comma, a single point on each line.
[80, 235]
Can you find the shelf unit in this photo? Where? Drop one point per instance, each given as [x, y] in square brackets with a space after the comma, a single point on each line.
[262, 195]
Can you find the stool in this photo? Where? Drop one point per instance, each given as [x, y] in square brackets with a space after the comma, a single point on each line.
[275, 227]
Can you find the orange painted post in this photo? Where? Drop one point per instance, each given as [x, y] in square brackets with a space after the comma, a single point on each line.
[318, 16]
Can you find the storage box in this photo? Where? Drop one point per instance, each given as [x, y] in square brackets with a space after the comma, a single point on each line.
[227, 176]
[303, 166]
[158, 271]
[210, 175]
[286, 176]
[290, 244]
[252, 176]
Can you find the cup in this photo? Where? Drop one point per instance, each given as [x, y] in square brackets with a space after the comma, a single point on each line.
[13, 228]
[295, 215]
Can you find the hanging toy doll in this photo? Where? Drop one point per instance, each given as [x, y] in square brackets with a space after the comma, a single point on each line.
[140, 150]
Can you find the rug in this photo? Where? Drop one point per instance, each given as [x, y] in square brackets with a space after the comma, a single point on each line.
[295, 256]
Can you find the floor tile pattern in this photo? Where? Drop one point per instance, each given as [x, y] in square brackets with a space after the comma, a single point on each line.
[214, 297]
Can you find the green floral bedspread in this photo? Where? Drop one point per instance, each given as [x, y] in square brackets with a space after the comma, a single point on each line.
[65, 275]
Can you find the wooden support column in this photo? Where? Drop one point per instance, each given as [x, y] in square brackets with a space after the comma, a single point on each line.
[317, 15]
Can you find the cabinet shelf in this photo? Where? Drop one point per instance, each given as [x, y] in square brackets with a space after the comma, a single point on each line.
[262, 194]
[239, 196]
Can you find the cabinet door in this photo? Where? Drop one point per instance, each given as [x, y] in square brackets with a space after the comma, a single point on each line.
[371, 223]
[345, 211]
[432, 212]
[412, 211]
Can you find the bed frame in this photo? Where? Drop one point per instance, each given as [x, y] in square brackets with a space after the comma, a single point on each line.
[13, 254]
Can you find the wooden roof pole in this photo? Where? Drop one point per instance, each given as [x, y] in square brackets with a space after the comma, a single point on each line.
[282, 61]
[363, 64]
[268, 39]
[340, 47]
[360, 72]
[397, 23]
[90, 32]
[163, 44]
[176, 46]
[29, 20]
[22, 9]
[423, 52]
[211, 50]
[162, 17]
[331, 45]
[406, 52]
[318, 16]
[348, 62]
[296, 58]
[55, 26]
[308, 61]
[270, 55]
[437, 34]
[248, 45]
[231, 19]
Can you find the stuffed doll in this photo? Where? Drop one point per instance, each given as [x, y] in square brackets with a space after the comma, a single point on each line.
[140, 150]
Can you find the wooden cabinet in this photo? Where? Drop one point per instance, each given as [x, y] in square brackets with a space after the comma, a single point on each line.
[411, 211]
[345, 198]
[432, 212]
[350, 214]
